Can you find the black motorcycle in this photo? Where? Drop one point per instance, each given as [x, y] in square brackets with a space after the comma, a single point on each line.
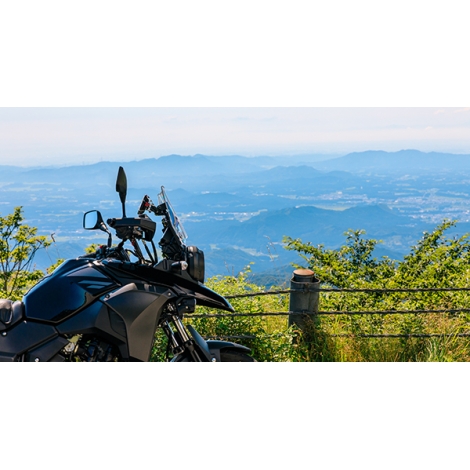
[105, 307]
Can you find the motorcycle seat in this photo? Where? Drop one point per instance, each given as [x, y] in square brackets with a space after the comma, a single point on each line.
[10, 313]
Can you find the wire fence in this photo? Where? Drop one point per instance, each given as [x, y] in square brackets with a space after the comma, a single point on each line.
[340, 290]
[317, 289]
[329, 312]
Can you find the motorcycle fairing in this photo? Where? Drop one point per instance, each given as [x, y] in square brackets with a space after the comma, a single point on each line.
[203, 294]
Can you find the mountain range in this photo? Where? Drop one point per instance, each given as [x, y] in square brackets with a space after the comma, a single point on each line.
[238, 209]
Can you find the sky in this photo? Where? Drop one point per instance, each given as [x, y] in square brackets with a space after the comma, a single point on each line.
[249, 79]
[73, 135]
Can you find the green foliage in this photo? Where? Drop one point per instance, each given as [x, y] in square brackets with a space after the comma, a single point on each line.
[90, 249]
[268, 341]
[54, 266]
[18, 245]
[350, 265]
[436, 261]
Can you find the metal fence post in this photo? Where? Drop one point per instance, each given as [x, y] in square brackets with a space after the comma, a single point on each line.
[304, 298]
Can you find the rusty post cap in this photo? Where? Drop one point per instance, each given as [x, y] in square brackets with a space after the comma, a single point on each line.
[303, 275]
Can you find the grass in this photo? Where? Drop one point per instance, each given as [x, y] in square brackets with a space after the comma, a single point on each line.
[336, 338]
[275, 341]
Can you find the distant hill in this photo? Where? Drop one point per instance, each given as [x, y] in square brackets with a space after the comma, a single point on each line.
[318, 225]
[402, 161]
[173, 171]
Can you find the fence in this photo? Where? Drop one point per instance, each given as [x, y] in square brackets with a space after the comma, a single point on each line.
[304, 301]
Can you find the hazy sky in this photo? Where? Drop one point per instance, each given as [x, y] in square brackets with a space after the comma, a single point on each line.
[339, 53]
[45, 136]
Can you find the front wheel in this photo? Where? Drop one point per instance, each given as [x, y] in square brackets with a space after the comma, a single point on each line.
[235, 356]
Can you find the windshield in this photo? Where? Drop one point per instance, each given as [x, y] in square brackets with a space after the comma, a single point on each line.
[175, 221]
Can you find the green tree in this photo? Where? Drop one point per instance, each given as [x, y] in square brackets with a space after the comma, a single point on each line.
[353, 264]
[436, 260]
[18, 245]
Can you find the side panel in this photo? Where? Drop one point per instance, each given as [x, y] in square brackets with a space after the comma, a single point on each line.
[139, 309]
[97, 320]
[23, 337]
[48, 351]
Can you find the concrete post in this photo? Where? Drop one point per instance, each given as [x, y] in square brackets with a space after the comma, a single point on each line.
[304, 298]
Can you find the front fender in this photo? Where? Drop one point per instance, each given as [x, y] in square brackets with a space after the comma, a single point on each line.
[210, 349]
[216, 346]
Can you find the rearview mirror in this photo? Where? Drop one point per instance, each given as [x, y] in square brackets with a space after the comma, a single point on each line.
[121, 188]
[92, 220]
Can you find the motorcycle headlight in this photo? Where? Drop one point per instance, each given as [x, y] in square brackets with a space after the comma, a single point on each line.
[196, 265]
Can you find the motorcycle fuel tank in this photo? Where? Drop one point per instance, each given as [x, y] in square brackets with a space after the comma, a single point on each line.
[74, 285]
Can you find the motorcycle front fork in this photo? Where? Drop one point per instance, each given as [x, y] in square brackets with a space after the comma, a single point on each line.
[178, 339]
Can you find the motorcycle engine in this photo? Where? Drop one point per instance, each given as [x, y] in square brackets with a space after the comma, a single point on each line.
[88, 349]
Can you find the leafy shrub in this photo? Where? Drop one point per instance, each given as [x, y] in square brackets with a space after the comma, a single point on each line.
[18, 245]
[267, 336]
